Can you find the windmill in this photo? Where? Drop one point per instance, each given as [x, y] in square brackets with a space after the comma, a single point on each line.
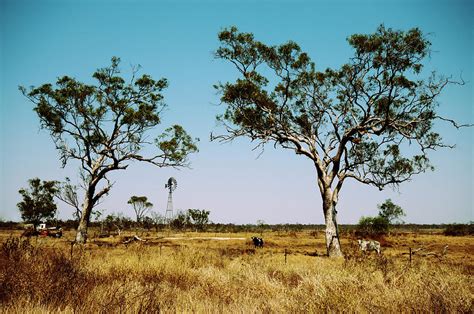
[171, 186]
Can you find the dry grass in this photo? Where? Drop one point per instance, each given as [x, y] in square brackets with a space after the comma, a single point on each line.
[205, 275]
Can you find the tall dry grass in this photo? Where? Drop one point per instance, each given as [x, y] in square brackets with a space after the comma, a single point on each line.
[37, 277]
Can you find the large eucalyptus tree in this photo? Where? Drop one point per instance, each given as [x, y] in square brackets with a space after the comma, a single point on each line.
[371, 120]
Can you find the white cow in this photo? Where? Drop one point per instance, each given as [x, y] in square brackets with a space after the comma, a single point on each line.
[369, 245]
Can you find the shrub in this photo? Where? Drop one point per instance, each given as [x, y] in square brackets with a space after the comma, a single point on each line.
[180, 222]
[372, 226]
[40, 274]
[459, 229]
[389, 213]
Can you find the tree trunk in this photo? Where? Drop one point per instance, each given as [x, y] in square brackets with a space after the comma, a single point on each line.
[333, 245]
[81, 235]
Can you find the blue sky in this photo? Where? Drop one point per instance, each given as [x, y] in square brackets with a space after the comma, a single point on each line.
[42, 40]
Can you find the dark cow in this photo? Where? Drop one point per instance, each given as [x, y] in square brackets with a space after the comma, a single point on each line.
[258, 242]
[55, 233]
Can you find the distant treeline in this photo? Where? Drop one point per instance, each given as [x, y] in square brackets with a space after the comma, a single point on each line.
[447, 229]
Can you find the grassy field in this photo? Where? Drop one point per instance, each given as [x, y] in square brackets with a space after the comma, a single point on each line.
[214, 272]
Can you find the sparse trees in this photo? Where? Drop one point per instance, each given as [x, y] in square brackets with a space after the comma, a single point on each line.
[105, 126]
[199, 218]
[390, 212]
[180, 221]
[147, 223]
[372, 226]
[158, 220]
[140, 205]
[67, 192]
[117, 222]
[38, 201]
[370, 120]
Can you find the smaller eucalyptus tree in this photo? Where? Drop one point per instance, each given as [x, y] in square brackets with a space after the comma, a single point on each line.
[38, 203]
[104, 127]
[140, 205]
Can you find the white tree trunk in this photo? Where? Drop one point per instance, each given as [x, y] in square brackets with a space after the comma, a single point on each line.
[81, 234]
[333, 245]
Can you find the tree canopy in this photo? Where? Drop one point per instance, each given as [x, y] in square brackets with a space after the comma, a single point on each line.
[105, 126]
[38, 201]
[140, 205]
[199, 217]
[390, 211]
[67, 192]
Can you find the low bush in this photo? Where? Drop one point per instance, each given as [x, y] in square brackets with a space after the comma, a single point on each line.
[459, 229]
[40, 275]
[372, 227]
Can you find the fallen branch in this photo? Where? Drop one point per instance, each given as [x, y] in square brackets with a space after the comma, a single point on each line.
[131, 239]
[438, 255]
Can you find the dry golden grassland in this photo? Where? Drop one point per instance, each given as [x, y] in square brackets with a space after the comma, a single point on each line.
[196, 272]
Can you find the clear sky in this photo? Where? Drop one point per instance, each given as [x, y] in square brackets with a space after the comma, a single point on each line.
[42, 40]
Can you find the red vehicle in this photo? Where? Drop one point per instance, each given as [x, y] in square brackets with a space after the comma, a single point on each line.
[55, 232]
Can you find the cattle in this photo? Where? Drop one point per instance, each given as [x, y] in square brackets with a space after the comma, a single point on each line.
[369, 245]
[55, 233]
[258, 242]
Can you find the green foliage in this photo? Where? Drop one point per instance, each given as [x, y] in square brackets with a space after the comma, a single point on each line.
[147, 222]
[372, 226]
[459, 229]
[67, 192]
[117, 222]
[107, 120]
[351, 120]
[199, 218]
[140, 205]
[176, 143]
[195, 218]
[105, 127]
[38, 201]
[180, 222]
[390, 211]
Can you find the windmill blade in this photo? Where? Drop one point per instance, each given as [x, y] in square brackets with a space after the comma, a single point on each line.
[172, 184]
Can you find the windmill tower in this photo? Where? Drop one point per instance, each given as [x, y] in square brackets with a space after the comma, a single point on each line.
[171, 186]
